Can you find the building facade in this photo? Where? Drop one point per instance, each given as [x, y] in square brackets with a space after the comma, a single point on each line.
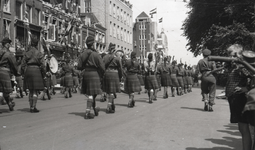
[162, 42]
[144, 35]
[116, 16]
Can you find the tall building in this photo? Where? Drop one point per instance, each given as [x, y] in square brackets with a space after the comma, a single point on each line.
[116, 17]
[144, 35]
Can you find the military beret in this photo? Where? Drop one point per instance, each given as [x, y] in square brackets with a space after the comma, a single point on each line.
[90, 40]
[111, 48]
[133, 54]
[206, 52]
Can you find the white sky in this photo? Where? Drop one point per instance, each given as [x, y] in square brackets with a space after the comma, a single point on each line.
[174, 12]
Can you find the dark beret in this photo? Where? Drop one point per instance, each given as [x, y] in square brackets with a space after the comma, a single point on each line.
[111, 47]
[133, 54]
[206, 52]
[90, 40]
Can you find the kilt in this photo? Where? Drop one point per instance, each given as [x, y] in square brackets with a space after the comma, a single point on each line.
[175, 82]
[151, 82]
[91, 83]
[190, 81]
[185, 80]
[68, 81]
[158, 77]
[75, 81]
[53, 80]
[19, 81]
[132, 84]
[165, 79]
[111, 82]
[62, 81]
[141, 79]
[5, 82]
[33, 79]
[180, 81]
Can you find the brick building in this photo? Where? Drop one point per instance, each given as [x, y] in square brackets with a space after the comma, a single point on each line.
[144, 35]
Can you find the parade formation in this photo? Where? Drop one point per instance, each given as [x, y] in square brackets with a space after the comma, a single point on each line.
[93, 75]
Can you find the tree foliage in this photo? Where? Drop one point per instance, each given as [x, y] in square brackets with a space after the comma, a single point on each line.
[217, 24]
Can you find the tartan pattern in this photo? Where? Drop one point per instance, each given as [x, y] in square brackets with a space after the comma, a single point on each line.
[91, 83]
[158, 77]
[68, 80]
[62, 81]
[180, 81]
[5, 82]
[189, 80]
[175, 82]
[185, 82]
[111, 83]
[47, 82]
[53, 80]
[33, 79]
[19, 81]
[141, 79]
[151, 82]
[132, 84]
[75, 80]
[165, 79]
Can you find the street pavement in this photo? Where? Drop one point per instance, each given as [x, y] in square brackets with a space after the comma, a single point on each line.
[176, 123]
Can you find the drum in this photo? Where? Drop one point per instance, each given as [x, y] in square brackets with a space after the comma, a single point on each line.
[53, 64]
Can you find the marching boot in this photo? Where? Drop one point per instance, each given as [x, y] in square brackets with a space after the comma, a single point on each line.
[173, 91]
[133, 99]
[110, 106]
[18, 93]
[9, 102]
[150, 93]
[70, 93]
[66, 94]
[89, 115]
[130, 101]
[96, 109]
[210, 108]
[33, 108]
[206, 107]
[185, 90]
[48, 94]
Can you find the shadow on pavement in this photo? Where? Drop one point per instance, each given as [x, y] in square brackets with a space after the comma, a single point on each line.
[199, 109]
[24, 110]
[81, 114]
[124, 105]
[228, 143]
[4, 110]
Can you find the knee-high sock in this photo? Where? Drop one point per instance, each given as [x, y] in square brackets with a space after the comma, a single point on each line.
[89, 103]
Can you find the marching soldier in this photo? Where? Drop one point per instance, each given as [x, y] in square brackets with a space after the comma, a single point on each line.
[68, 77]
[94, 67]
[132, 83]
[173, 76]
[33, 67]
[165, 77]
[113, 74]
[7, 67]
[180, 73]
[208, 81]
[151, 83]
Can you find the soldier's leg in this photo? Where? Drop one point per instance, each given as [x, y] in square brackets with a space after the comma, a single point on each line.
[33, 101]
[9, 101]
[96, 109]
[89, 115]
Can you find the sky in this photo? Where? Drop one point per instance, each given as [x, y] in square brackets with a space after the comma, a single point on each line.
[173, 12]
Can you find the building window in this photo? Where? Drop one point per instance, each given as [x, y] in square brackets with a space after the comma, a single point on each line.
[117, 13]
[7, 30]
[18, 10]
[103, 38]
[7, 6]
[110, 8]
[87, 6]
[118, 32]
[28, 13]
[36, 17]
[121, 15]
[110, 28]
[124, 18]
[114, 11]
[114, 30]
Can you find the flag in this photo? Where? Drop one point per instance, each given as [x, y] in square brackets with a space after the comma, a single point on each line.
[153, 11]
[160, 20]
[69, 27]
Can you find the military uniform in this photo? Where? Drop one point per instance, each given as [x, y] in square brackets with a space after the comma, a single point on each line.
[173, 76]
[165, 77]
[180, 73]
[7, 67]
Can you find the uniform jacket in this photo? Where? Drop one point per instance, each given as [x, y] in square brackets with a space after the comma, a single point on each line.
[8, 61]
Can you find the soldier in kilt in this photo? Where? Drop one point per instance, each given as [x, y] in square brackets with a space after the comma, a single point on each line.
[185, 80]
[173, 76]
[112, 76]
[19, 78]
[94, 67]
[151, 83]
[165, 77]
[47, 83]
[33, 68]
[180, 79]
[68, 77]
[53, 83]
[190, 79]
[132, 83]
[8, 66]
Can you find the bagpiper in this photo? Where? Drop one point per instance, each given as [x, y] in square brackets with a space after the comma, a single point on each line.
[7, 66]
[92, 67]
[132, 83]
[112, 77]
[151, 83]
[33, 68]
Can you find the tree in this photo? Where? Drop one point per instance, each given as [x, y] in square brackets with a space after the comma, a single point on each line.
[216, 24]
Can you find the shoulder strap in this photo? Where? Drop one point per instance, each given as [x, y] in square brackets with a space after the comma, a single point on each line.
[2, 56]
[85, 62]
[107, 65]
